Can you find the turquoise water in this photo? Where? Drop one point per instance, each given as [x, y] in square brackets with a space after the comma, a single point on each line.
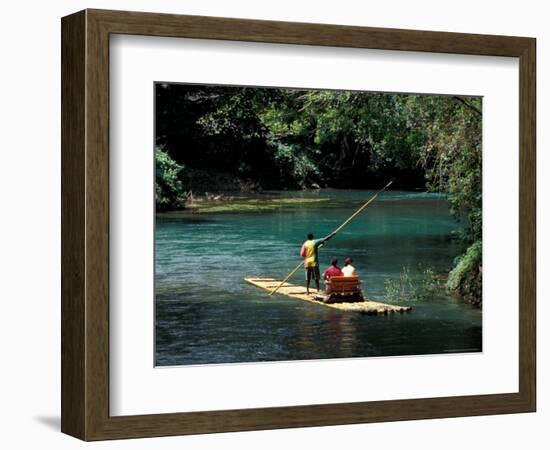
[206, 313]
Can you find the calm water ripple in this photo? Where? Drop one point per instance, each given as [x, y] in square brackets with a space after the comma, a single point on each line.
[206, 313]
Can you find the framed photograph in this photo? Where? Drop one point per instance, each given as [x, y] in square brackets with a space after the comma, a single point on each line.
[272, 225]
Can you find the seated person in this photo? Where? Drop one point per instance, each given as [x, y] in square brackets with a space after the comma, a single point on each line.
[332, 271]
[348, 270]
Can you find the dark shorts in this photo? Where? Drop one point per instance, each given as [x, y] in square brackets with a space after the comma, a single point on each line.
[313, 272]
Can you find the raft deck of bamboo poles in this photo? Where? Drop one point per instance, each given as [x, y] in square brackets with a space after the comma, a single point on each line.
[365, 306]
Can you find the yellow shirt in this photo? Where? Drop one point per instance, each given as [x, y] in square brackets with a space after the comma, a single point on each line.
[309, 252]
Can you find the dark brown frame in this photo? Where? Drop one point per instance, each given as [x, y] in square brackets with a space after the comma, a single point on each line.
[85, 224]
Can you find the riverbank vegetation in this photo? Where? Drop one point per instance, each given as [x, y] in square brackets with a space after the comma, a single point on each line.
[219, 139]
[427, 285]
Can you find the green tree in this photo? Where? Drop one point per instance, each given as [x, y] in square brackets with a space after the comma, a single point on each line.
[168, 187]
[452, 160]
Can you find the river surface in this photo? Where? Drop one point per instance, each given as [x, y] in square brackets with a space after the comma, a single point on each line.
[206, 313]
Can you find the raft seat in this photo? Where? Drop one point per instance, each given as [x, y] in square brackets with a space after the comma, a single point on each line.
[343, 285]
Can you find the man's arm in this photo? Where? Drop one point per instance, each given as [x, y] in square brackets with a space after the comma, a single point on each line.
[326, 238]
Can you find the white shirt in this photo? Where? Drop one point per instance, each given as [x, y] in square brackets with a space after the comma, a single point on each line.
[348, 271]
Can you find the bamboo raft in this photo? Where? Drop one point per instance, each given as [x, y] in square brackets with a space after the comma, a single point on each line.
[365, 306]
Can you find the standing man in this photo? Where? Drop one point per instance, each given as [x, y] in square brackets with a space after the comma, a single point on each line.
[311, 261]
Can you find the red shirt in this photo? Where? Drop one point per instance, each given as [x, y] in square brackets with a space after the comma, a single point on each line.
[332, 271]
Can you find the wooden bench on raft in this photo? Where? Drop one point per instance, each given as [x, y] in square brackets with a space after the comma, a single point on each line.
[343, 289]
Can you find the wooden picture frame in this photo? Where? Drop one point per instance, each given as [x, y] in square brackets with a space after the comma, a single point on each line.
[85, 224]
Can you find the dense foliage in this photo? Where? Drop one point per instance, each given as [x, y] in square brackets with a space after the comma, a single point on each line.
[168, 186]
[465, 278]
[266, 138]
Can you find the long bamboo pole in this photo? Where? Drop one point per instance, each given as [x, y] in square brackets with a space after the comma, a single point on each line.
[353, 216]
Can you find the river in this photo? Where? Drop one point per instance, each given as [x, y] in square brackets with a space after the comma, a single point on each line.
[206, 313]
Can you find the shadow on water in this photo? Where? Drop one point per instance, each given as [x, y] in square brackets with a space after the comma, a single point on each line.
[206, 313]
